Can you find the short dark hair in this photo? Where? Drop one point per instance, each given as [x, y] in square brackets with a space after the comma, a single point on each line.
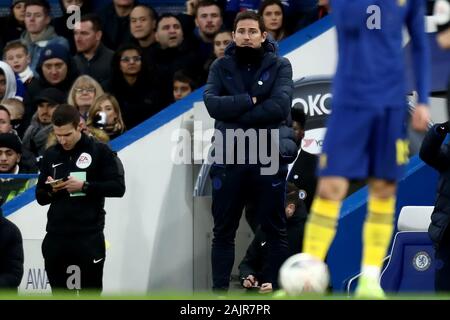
[150, 9]
[298, 115]
[41, 3]
[167, 15]
[245, 15]
[3, 108]
[15, 44]
[183, 76]
[66, 114]
[94, 19]
[207, 3]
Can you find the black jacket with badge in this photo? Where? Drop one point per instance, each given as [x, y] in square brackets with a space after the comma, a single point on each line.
[437, 155]
[70, 214]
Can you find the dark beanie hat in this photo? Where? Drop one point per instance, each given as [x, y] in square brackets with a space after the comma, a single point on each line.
[11, 141]
[55, 50]
[14, 2]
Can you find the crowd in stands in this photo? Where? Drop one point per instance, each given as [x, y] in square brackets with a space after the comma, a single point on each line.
[120, 64]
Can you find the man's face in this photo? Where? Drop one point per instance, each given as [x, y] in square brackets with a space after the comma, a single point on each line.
[208, 20]
[248, 34]
[169, 33]
[17, 59]
[36, 20]
[2, 86]
[54, 70]
[67, 135]
[86, 39]
[141, 23]
[5, 122]
[299, 132]
[45, 112]
[8, 160]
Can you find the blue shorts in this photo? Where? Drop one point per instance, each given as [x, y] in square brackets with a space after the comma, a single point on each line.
[361, 143]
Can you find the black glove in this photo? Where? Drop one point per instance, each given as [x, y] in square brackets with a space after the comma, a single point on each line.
[443, 128]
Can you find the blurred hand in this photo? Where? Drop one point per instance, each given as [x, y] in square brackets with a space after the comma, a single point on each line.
[250, 282]
[190, 7]
[73, 185]
[266, 288]
[421, 117]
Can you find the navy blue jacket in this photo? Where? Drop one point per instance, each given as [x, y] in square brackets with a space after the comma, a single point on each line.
[230, 104]
[436, 155]
[11, 254]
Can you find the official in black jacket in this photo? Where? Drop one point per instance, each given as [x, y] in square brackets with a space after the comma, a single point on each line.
[11, 254]
[437, 155]
[76, 176]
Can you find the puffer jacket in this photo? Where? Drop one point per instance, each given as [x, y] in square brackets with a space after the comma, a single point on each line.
[436, 155]
[230, 104]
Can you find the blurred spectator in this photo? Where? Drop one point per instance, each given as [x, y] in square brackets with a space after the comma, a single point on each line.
[11, 255]
[83, 93]
[106, 115]
[303, 171]
[10, 159]
[8, 83]
[92, 58]
[16, 110]
[300, 14]
[272, 13]
[172, 52]
[12, 26]
[137, 88]
[232, 7]
[39, 33]
[5, 120]
[36, 135]
[183, 85]
[143, 27]
[56, 69]
[208, 19]
[115, 19]
[253, 267]
[221, 40]
[16, 55]
[60, 23]
[324, 8]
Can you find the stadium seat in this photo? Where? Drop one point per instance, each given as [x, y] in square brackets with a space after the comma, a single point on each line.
[410, 267]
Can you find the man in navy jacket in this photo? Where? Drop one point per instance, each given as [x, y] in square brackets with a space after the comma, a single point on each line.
[249, 94]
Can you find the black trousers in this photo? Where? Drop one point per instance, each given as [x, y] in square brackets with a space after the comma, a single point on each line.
[74, 262]
[233, 185]
[442, 255]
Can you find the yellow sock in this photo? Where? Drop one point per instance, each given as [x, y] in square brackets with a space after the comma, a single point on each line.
[320, 228]
[377, 231]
